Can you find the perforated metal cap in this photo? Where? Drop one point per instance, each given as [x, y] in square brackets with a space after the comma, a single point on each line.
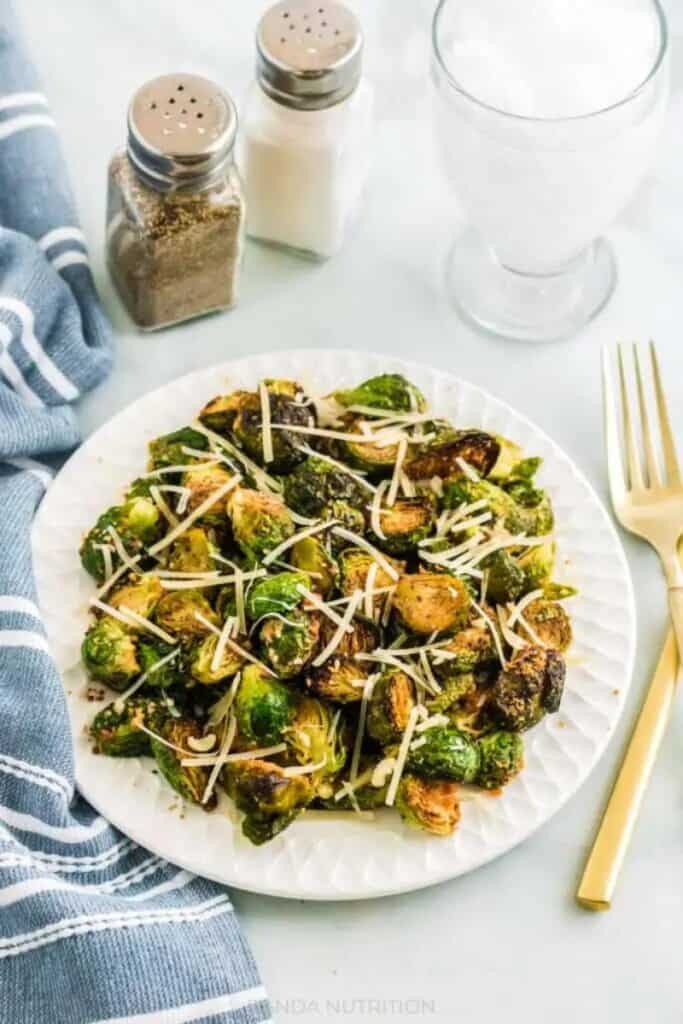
[309, 53]
[181, 132]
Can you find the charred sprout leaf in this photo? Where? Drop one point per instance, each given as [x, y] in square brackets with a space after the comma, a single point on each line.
[188, 781]
[429, 804]
[264, 707]
[502, 757]
[219, 414]
[259, 522]
[524, 493]
[247, 429]
[525, 469]
[390, 391]
[431, 602]
[140, 595]
[530, 686]
[280, 593]
[549, 623]
[535, 522]
[506, 580]
[443, 457]
[109, 653]
[538, 564]
[312, 739]
[446, 754]
[315, 483]
[202, 483]
[138, 524]
[468, 650]
[286, 387]
[177, 613]
[116, 729]
[340, 680]
[202, 659]
[269, 799]
[558, 591]
[150, 652]
[168, 450]
[456, 686]
[509, 456]
[405, 524]
[349, 516]
[309, 555]
[393, 698]
[191, 552]
[288, 644]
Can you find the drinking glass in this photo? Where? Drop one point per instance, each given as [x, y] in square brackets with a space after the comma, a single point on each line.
[537, 192]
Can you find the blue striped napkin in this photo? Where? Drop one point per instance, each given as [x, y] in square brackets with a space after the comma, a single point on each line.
[92, 927]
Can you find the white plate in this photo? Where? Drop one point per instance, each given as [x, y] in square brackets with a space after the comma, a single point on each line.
[322, 856]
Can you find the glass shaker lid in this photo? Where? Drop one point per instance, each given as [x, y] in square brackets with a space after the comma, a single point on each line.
[309, 53]
[181, 131]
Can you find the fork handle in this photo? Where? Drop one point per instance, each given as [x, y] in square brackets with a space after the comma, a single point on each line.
[676, 608]
[604, 863]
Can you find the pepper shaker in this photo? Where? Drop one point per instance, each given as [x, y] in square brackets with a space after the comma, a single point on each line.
[307, 127]
[175, 206]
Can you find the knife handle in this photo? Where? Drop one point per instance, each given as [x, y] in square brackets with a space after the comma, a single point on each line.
[611, 842]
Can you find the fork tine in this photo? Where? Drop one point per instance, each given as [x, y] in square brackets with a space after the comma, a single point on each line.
[654, 477]
[632, 458]
[615, 465]
[668, 443]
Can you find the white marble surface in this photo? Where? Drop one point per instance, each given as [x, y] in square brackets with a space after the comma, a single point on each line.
[507, 941]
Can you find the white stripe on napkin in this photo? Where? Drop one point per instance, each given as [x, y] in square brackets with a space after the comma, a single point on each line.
[24, 121]
[64, 833]
[68, 864]
[68, 259]
[10, 603]
[23, 99]
[48, 369]
[19, 773]
[37, 769]
[195, 1011]
[23, 638]
[12, 372]
[37, 469]
[66, 234]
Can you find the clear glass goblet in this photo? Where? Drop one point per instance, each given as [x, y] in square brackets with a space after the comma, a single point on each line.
[537, 189]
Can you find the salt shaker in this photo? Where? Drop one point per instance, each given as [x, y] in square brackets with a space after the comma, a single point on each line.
[175, 205]
[307, 126]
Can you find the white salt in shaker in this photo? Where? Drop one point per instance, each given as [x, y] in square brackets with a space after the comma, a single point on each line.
[307, 127]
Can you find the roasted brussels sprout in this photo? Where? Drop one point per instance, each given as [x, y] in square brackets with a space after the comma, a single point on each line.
[393, 698]
[405, 524]
[189, 781]
[310, 555]
[264, 707]
[138, 523]
[177, 613]
[535, 522]
[549, 623]
[537, 564]
[269, 798]
[168, 450]
[530, 686]
[202, 482]
[259, 521]
[116, 729]
[369, 457]
[315, 483]
[312, 738]
[219, 414]
[525, 493]
[140, 595]
[247, 429]
[509, 455]
[354, 566]
[276, 594]
[363, 637]
[446, 754]
[109, 653]
[150, 652]
[191, 552]
[468, 650]
[390, 391]
[502, 757]
[340, 680]
[288, 644]
[201, 662]
[429, 804]
[455, 687]
[505, 579]
[431, 602]
[349, 516]
[443, 457]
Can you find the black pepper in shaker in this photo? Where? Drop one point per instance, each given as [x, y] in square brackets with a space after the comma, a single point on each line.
[175, 206]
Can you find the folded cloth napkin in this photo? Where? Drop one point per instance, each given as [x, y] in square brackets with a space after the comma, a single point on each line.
[92, 927]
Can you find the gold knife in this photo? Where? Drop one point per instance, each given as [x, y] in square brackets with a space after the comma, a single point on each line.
[604, 863]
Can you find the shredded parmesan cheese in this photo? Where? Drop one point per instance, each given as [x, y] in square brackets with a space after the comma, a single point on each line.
[522, 604]
[339, 465]
[199, 582]
[184, 468]
[401, 757]
[184, 492]
[121, 571]
[230, 731]
[185, 524]
[145, 675]
[407, 485]
[431, 722]
[323, 606]
[382, 438]
[262, 479]
[360, 731]
[375, 510]
[382, 771]
[368, 605]
[106, 552]
[220, 644]
[232, 645]
[129, 562]
[468, 471]
[286, 544]
[159, 500]
[341, 629]
[244, 755]
[265, 423]
[398, 466]
[494, 632]
[304, 769]
[131, 618]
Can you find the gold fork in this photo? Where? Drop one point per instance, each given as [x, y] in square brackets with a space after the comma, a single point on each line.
[648, 502]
